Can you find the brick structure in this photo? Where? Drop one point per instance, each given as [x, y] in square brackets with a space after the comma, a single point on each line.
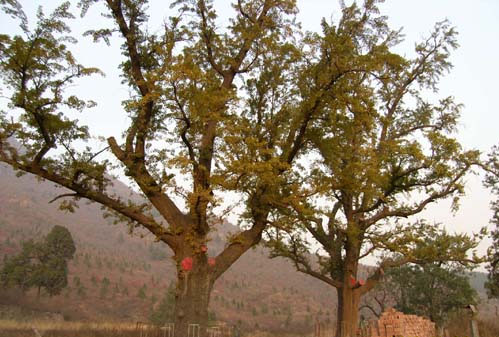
[396, 324]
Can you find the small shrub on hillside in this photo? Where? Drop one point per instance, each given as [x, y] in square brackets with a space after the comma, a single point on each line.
[164, 312]
[142, 292]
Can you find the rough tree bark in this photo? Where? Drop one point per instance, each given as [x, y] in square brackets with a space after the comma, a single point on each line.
[348, 311]
[350, 292]
[192, 296]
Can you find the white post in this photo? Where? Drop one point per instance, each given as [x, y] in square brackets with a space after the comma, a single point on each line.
[170, 328]
[473, 322]
[193, 330]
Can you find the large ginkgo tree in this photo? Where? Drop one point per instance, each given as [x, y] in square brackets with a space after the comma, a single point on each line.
[215, 106]
[383, 150]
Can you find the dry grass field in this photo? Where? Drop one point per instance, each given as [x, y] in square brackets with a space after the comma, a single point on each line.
[460, 327]
[9, 328]
[65, 329]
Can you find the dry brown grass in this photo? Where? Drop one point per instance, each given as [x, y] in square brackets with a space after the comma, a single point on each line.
[459, 326]
[64, 329]
[488, 328]
[9, 328]
[268, 334]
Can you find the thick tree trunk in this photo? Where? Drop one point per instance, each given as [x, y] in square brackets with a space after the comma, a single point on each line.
[348, 311]
[339, 310]
[349, 294]
[192, 299]
[196, 274]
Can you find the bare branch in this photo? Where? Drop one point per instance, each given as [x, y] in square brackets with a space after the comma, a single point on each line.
[207, 35]
[64, 196]
[243, 12]
[187, 126]
[371, 308]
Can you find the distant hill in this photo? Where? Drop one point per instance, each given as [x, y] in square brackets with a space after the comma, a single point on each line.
[256, 291]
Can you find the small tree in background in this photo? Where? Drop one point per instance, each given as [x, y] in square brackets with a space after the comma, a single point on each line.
[16, 270]
[104, 290]
[41, 264]
[82, 291]
[165, 310]
[432, 290]
[59, 242]
[142, 292]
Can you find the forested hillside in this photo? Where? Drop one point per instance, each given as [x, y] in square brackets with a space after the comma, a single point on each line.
[123, 277]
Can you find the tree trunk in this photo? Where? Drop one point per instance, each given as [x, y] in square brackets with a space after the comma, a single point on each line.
[348, 311]
[192, 299]
[196, 274]
[339, 309]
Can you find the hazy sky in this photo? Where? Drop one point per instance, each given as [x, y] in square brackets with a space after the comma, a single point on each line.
[472, 80]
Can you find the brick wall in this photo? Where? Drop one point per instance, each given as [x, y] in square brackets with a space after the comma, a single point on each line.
[396, 324]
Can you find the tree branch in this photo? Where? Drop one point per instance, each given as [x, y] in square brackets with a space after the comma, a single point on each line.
[404, 213]
[138, 130]
[238, 246]
[93, 195]
[187, 126]
[150, 188]
[206, 34]
[302, 264]
[63, 196]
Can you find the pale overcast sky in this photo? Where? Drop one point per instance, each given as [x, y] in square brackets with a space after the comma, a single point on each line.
[472, 80]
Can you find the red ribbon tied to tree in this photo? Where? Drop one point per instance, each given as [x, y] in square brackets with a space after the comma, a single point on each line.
[356, 283]
[187, 263]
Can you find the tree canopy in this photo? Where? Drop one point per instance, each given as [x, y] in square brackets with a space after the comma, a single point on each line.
[432, 290]
[41, 264]
[210, 111]
[384, 150]
[299, 126]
